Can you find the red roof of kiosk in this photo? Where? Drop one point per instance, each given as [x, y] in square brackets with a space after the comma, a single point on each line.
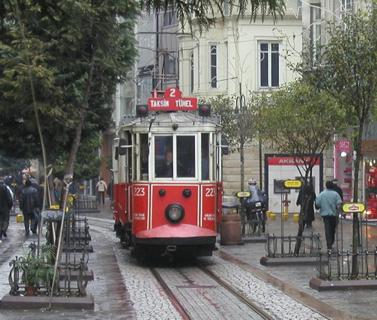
[172, 101]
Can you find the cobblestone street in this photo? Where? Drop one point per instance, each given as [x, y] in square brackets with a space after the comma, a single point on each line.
[125, 289]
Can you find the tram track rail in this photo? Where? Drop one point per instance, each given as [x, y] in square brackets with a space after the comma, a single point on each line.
[220, 285]
[173, 299]
[241, 297]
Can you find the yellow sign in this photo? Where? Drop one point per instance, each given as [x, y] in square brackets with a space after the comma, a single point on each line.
[351, 207]
[243, 194]
[292, 184]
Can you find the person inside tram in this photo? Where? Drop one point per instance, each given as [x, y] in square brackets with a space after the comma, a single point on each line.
[165, 170]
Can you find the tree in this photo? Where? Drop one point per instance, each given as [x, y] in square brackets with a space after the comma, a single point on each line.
[65, 57]
[300, 120]
[237, 124]
[71, 54]
[348, 71]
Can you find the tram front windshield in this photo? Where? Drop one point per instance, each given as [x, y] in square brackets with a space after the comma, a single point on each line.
[165, 162]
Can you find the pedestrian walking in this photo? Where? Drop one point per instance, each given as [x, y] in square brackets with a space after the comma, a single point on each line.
[29, 205]
[6, 203]
[101, 187]
[328, 203]
[305, 199]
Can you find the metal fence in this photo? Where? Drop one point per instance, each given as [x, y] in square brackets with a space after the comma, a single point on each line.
[284, 246]
[85, 204]
[33, 274]
[337, 265]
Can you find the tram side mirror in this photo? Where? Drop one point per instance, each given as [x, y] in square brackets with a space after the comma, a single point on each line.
[122, 149]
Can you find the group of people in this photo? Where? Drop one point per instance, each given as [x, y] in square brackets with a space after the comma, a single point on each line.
[328, 203]
[30, 202]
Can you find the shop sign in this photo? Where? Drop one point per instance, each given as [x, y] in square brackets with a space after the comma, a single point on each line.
[343, 166]
[292, 184]
[292, 161]
[353, 207]
[172, 101]
[243, 194]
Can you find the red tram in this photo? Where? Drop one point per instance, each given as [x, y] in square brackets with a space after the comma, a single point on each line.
[167, 178]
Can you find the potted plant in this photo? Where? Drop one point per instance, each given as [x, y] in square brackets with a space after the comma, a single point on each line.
[37, 271]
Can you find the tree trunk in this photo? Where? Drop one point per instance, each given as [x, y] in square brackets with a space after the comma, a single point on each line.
[68, 175]
[355, 222]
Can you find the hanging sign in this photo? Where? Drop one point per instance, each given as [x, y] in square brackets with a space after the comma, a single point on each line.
[353, 207]
[292, 184]
[172, 101]
[243, 194]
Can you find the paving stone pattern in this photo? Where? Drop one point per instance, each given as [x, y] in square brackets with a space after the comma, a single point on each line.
[272, 300]
[202, 297]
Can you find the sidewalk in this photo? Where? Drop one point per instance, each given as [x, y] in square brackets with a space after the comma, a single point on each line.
[359, 304]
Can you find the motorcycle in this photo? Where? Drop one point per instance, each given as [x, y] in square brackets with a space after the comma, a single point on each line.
[256, 216]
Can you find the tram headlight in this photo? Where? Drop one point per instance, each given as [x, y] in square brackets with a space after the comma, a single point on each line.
[174, 213]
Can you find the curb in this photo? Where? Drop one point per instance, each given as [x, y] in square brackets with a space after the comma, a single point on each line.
[36, 302]
[270, 262]
[324, 285]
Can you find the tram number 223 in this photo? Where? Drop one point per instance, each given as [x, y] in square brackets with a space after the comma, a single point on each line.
[139, 191]
[209, 192]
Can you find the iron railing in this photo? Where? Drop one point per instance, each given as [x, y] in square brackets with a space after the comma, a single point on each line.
[337, 265]
[284, 246]
[85, 204]
[72, 271]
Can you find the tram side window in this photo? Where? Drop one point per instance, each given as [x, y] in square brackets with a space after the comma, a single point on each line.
[144, 156]
[163, 155]
[186, 156]
[205, 156]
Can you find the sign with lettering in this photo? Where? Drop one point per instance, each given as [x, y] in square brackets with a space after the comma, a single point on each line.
[292, 184]
[351, 207]
[172, 101]
[243, 194]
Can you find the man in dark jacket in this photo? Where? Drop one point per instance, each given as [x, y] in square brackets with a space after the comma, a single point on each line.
[306, 198]
[29, 204]
[6, 204]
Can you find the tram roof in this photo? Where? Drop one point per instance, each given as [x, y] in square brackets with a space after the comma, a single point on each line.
[167, 119]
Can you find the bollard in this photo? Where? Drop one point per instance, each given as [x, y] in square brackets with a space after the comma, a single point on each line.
[285, 216]
[296, 217]
[19, 218]
[272, 216]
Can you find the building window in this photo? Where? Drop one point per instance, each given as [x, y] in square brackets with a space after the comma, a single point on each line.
[170, 18]
[347, 5]
[315, 31]
[213, 67]
[269, 67]
[168, 64]
[192, 72]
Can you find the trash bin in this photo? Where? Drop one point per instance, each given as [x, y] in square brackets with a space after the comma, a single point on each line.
[230, 229]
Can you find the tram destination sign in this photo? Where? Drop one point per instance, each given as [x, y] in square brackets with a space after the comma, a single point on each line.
[172, 101]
